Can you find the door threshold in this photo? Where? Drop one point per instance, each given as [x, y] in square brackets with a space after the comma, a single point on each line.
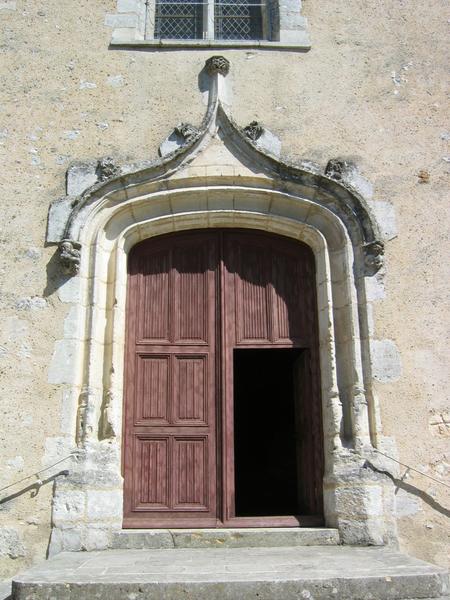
[236, 537]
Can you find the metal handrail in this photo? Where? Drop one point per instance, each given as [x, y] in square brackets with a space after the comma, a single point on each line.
[37, 473]
[412, 468]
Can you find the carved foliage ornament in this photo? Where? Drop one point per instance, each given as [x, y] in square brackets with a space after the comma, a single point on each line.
[107, 168]
[218, 64]
[187, 131]
[70, 256]
[374, 256]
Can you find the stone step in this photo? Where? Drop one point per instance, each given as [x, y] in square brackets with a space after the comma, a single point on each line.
[283, 573]
[140, 539]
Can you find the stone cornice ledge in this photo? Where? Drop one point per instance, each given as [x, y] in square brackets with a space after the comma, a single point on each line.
[301, 46]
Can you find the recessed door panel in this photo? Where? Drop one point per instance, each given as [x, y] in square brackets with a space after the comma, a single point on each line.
[190, 398]
[153, 391]
[190, 473]
[153, 299]
[151, 473]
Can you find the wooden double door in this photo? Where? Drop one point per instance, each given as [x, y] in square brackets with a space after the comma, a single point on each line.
[222, 409]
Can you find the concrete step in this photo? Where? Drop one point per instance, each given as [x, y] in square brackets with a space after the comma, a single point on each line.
[5, 590]
[283, 573]
[140, 539]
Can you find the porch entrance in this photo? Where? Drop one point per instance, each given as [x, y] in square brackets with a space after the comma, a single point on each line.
[223, 423]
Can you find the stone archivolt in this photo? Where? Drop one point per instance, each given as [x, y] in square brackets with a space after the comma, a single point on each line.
[218, 177]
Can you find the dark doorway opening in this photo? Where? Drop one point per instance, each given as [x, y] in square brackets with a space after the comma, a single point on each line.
[267, 436]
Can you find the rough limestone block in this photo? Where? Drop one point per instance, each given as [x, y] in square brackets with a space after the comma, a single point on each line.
[63, 362]
[292, 36]
[384, 213]
[269, 142]
[122, 35]
[141, 540]
[127, 6]
[71, 540]
[359, 501]
[81, 176]
[69, 291]
[11, 544]
[375, 289]
[58, 216]
[386, 361]
[172, 143]
[121, 21]
[96, 538]
[104, 504]
[68, 506]
[370, 532]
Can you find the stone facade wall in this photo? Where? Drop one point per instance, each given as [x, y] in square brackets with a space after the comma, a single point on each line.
[371, 90]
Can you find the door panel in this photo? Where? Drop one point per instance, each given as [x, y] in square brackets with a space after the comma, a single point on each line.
[152, 397]
[190, 473]
[194, 298]
[153, 297]
[270, 302]
[190, 399]
[170, 467]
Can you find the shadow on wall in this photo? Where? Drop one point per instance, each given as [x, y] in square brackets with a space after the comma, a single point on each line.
[34, 487]
[411, 489]
[55, 275]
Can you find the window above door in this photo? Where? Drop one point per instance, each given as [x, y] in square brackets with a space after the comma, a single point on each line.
[276, 24]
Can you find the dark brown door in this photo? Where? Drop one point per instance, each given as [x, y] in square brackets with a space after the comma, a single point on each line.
[171, 388]
[213, 319]
[271, 340]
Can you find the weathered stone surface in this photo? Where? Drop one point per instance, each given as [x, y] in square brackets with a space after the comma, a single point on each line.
[225, 538]
[11, 544]
[68, 506]
[231, 574]
[57, 218]
[143, 539]
[80, 176]
[104, 504]
[386, 361]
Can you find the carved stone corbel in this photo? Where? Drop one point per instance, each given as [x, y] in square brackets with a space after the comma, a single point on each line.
[253, 131]
[187, 131]
[374, 256]
[107, 168]
[70, 256]
[218, 64]
[337, 168]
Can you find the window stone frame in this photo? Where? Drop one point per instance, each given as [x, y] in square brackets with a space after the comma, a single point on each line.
[283, 24]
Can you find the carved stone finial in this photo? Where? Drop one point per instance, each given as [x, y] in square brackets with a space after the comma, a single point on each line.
[337, 168]
[218, 64]
[70, 256]
[107, 168]
[187, 131]
[374, 256]
[253, 131]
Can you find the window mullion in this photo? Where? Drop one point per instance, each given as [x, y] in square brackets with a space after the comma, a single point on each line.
[208, 15]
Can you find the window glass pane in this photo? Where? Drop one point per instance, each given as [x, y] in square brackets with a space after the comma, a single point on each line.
[179, 20]
[238, 19]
